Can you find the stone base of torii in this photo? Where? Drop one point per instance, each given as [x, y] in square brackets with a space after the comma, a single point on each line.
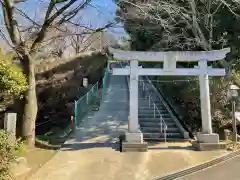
[134, 137]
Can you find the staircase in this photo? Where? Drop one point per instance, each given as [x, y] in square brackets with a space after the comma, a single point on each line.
[154, 116]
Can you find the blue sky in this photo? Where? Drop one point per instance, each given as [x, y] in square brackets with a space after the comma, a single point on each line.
[97, 17]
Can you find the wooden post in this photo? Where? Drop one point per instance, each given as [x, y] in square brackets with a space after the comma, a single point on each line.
[85, 82]
[73, 123]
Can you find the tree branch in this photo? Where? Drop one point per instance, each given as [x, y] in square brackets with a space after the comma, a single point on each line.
[10, 22]
[48, 21]
[71, 14]
[23, 14]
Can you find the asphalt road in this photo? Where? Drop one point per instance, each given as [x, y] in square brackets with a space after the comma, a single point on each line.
[229, 170]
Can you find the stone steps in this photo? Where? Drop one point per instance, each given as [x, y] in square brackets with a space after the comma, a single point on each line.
[149, 120]
[156, 115]
[134, 147]
[156, 124]
[178, 139]
[142, 107]
[166, 119]
[151, 111]
[158, 129]
[146, 103]
[160, 136]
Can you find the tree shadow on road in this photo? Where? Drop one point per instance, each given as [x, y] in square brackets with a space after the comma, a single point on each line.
[82, 146]
[103, 128]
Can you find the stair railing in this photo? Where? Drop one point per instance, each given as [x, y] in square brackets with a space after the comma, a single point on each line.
[163, 125]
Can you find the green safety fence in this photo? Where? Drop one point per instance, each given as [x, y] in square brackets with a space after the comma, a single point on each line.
[91, 99]
[85, 104]
[105, 82]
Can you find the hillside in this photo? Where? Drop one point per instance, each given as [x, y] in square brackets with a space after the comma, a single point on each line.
[59, 84]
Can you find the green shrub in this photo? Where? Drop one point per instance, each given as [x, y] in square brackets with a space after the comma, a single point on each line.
[8, 150]
[12, 79]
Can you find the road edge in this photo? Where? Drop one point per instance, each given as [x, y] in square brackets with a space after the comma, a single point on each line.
[194, 169]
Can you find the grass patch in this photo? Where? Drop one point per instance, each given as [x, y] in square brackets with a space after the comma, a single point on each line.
[22, 150]
[46, 148]
[36, 158]
[55, 140]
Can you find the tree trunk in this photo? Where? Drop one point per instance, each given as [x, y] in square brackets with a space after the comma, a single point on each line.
[77, 49]
[30, 102]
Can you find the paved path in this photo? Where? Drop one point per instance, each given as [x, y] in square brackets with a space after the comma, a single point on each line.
[229, 170]
[90, 154]
[98, 130]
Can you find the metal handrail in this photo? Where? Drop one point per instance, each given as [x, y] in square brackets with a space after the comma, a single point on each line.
[163, 125]
[155, 107]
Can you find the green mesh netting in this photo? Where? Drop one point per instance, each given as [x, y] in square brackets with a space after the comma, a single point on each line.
[91, 99]
[105, 82]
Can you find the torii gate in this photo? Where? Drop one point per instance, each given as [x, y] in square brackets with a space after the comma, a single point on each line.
[169, 60]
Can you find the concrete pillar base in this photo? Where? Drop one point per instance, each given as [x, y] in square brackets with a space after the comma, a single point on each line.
[134, 143]
[134, 137]
[209, 146]
[207, 138]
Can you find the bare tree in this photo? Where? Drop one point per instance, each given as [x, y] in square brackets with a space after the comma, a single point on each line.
[85, 38]
[81, 39]
[58, 12]
[185, 24]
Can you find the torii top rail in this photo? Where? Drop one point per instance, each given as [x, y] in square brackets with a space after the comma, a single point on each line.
[181, 56]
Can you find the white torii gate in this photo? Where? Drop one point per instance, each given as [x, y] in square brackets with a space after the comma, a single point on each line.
[169, 60]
